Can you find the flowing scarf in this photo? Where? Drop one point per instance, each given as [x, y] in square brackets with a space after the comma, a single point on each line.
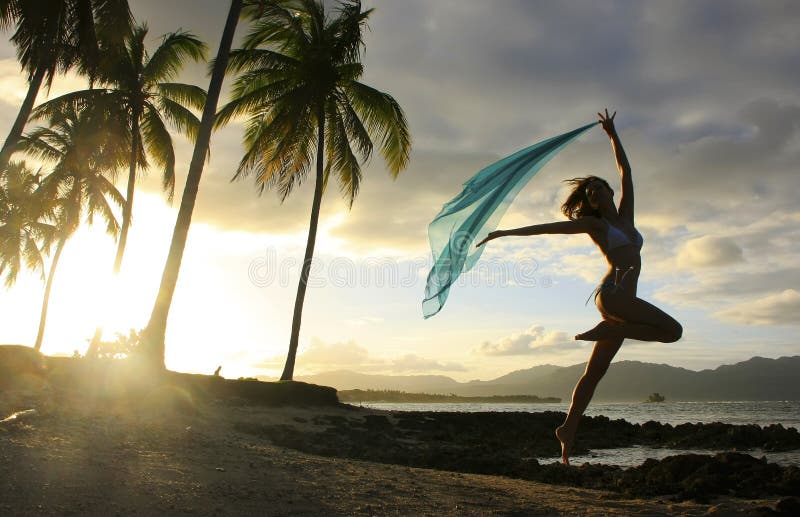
[469, 217]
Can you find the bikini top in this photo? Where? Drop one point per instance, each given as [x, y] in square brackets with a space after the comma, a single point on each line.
[617, 237]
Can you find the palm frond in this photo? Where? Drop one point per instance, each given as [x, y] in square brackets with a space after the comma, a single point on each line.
[185, 94]
[354, 127]
[74, 101]
[181, 118]
[346, 33]
[277, 23]
[136, 53]
[159, 144]
[114, 22]
[36, 145]
[279, 146]
[340, 154]
[252, 58]
[256, 101]
[168, 59]
[294, 59]
[383, 116]
[32, 254]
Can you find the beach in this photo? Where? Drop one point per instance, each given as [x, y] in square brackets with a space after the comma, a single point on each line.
[78, 464]
[179, 454]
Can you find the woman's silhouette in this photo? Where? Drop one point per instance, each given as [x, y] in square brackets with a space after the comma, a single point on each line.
[590, 209]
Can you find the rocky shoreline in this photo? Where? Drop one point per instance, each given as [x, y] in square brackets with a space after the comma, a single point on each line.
[507, 444]
[70, 397]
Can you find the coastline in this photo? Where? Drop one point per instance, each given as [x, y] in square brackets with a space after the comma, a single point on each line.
[175, 454]
[100, 438]
[156, 461]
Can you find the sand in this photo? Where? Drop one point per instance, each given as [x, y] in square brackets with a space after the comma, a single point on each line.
[71, 457]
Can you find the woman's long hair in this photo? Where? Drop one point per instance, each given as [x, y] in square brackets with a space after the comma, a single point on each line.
[577, 204]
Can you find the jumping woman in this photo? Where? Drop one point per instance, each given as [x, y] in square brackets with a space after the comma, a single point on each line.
[590, 209]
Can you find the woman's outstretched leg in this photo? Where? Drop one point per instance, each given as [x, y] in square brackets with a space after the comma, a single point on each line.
[602, 354]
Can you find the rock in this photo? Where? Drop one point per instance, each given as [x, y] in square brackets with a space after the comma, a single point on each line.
[788, 506]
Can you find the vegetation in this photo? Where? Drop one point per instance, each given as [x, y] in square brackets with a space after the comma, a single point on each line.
[25, 233]
[298, 84]
[138, 93]
[123, 346]
[55, 36]
[85, 156]
[402, 396]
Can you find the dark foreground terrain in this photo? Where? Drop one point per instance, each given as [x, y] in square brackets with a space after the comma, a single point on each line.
[106, 444]
[507, 444]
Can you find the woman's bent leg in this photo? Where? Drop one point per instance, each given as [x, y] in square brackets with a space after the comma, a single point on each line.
[602, 354]
[640, 320]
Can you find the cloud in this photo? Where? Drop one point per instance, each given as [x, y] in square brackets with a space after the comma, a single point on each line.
[533, 341]
[12, 84]
[387, 214]
[777, 309]
[709, 251]
[707, 141]
[335, 354]
[414, 363]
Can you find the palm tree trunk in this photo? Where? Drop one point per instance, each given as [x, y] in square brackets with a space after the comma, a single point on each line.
[288, 369]
[153, 334]
[22, 118]
[127, 212]
[94, 344]
[48, 285]
[127, 209]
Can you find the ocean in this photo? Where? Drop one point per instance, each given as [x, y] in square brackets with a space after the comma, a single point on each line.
[786, 413]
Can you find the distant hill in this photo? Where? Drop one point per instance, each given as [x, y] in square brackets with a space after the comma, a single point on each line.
[757, 378]
[403, 396]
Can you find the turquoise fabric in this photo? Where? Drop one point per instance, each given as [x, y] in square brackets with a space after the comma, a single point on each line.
[477, 210]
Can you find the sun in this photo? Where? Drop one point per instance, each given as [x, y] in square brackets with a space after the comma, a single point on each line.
[218, 317]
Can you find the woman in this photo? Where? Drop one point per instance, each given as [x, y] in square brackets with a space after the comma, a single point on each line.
[590, 209]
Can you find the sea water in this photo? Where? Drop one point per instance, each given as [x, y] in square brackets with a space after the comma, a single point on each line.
[762, 413]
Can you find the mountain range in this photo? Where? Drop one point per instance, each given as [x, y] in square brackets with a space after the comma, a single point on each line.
[757, 378]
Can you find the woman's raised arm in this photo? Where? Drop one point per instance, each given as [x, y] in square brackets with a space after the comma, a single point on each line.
[626, 197]
[582, 225]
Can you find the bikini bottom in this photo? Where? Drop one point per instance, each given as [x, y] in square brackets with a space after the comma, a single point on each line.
[609, 285]
[605, 286]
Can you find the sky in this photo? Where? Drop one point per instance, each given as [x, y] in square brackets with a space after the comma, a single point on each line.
[708, 102]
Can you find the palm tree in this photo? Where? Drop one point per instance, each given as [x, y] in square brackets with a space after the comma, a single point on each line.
[25, 234]
[152, 345]
[137, 88]
[85, 151]
[54, 36]
[298, 82]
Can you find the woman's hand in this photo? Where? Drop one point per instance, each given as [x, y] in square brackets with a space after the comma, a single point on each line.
[607, 122]
[492, 235]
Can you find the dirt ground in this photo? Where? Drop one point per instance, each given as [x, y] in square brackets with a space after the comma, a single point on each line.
[70, 458]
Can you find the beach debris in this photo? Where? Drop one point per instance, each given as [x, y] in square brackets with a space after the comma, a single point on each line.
[17, 420]
[18, 416]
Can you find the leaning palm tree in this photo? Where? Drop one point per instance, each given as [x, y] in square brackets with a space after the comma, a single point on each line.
[137, 87]
[85, 153]
[54, 36]
[298, 81]
[25, 233]
[152, 345]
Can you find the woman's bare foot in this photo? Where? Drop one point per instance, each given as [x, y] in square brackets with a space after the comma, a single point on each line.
[566, 438]
[602, 330]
